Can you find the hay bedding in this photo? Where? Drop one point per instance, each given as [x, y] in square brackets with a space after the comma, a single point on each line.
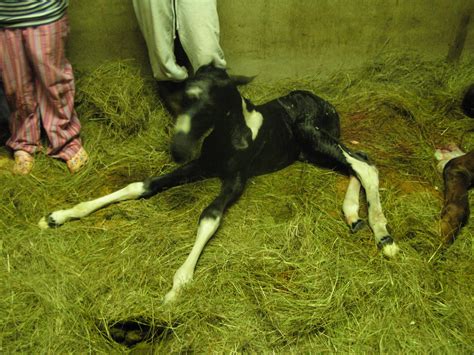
[283, 272]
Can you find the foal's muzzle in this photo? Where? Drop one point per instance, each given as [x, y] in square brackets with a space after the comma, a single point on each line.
[182, 147]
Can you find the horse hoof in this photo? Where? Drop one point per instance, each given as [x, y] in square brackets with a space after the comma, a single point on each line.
[48, 222]
[357, 226]
[388, 246]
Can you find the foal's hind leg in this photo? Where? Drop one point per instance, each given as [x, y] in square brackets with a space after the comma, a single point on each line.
[314, 142]
[186, 173]
[350, 206]
[369, 178]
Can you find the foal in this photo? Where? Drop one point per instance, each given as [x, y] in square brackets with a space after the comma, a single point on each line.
[220, 134]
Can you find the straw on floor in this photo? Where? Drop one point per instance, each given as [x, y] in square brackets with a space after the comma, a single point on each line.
[283, 273]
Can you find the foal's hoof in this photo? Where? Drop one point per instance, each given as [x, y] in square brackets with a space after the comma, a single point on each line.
[48, 222]
[357, 226]
[388, 246]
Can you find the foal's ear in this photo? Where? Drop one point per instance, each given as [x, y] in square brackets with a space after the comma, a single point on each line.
[241, 79]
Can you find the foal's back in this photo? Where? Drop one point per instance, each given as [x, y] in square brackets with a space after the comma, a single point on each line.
[278, 143]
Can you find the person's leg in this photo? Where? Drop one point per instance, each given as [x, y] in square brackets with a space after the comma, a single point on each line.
[4, 114]
[45, 46]
[21, 94]
[198, 28]
[157, 24]
[19, 88]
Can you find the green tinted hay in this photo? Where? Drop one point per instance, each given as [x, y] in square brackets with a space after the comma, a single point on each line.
[116, 95]
[283, 274]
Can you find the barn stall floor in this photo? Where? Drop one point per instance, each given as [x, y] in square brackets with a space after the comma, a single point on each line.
[283, 273]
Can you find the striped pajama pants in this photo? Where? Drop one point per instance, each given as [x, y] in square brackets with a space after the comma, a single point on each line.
[39, 85]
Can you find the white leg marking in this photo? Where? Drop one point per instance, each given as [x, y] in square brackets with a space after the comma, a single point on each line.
[369, 177]
[253, 119]
[130, 192]
[183, 124]
[207, 228]
[350, 206]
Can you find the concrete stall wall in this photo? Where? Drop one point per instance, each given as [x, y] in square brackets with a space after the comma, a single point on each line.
[281, 38]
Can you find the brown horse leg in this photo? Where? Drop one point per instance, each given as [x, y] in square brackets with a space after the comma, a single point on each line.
[458, 178]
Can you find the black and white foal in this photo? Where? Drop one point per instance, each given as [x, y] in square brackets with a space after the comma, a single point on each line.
[242, 140]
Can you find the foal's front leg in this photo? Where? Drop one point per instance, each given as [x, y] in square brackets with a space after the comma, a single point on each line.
[209, 221]
[184, 174]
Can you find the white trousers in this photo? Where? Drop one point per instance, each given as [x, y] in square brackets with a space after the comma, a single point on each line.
[196, 22]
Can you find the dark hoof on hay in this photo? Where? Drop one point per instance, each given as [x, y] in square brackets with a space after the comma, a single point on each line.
[449, 240]
[133, 332]
[387, 240]
[48, 222]
[357, 226]
[51, 222]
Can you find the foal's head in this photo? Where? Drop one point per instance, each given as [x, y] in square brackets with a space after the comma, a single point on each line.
[209, 96]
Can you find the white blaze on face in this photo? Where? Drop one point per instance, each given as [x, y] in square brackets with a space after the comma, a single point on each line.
[253, 119]
[194, 92]
[183, 124]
